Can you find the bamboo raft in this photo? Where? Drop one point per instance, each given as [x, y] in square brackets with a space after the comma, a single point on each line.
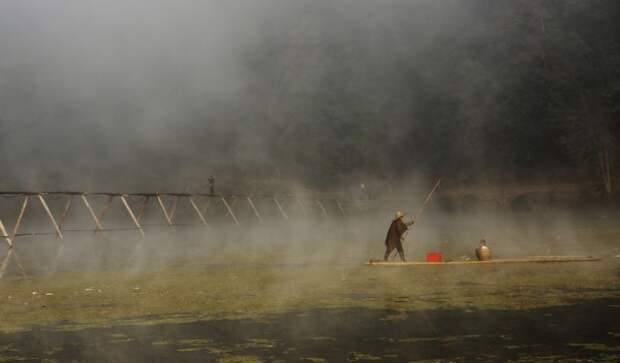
[531, 259]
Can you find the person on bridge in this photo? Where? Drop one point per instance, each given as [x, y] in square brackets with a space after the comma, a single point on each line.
[395, 236]
[211, 181]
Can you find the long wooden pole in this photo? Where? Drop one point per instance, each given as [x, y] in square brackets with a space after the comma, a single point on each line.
[428, 198]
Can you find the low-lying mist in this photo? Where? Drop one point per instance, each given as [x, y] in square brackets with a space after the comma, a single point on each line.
[337, 240]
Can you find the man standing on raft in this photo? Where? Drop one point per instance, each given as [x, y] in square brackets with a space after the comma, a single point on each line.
[395, 236]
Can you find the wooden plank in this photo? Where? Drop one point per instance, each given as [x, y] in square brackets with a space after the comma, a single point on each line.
[531, 259]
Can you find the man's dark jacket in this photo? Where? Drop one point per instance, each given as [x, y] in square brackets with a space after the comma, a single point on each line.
[397, 228]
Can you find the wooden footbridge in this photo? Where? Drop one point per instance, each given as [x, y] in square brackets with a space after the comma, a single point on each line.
[173, 209]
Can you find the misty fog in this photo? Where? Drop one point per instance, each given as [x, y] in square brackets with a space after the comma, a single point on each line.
[156, 95]
[318, 120]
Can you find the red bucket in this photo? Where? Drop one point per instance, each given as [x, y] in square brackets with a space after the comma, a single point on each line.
[434, 257]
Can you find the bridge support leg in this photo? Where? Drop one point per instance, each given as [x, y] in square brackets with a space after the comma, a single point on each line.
[5, 263]
[173, 209]
[260, 219]
[5, 235]
[65, 211]
[322, 208]
[301, 206]
[106, 207]
[98, 224]
[344, 215]
[229, 210]
[18, 262]
[206, 208]
[133, 216]
[197, 210]
[20, 216]
[50, 215]
[143, 208]
[163, 209]
[282, 212]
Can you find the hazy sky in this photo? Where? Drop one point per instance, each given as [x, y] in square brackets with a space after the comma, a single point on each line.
[120, 90]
